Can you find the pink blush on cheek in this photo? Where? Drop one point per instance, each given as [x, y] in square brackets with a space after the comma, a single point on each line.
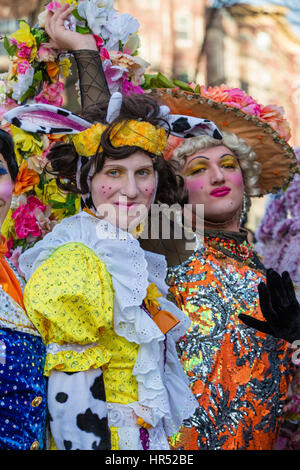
[6, 190]
[236, 178]
[149, 190]
[194, 186]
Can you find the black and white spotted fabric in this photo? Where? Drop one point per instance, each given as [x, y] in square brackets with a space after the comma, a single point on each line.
[190, 126]
[78, 410]
[49, 119]
[46, 119]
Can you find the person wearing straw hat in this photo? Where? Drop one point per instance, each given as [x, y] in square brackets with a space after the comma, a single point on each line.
[239, 374]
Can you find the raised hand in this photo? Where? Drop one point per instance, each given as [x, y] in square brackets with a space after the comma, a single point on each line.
[279, 306]
[62, 38]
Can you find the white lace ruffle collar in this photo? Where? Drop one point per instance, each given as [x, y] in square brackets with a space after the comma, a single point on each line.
[163, 388]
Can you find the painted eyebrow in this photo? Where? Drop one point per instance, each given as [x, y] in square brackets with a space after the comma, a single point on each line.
[206, 158]
[124, 168]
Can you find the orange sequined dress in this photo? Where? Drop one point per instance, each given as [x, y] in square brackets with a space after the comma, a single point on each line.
[239, 376]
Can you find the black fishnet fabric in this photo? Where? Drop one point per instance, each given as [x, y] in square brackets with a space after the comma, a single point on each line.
[94, 90]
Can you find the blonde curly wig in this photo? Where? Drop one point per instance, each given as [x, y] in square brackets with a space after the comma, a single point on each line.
[246, 157]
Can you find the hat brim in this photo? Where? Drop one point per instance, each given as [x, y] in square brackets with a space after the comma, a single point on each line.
[276, 157]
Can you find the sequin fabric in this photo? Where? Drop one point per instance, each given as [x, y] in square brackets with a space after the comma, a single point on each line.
[239, 376]
[23, 394]
[23, 387]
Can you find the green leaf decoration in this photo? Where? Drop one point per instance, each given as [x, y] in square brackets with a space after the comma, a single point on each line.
[68, 205]
[40, 36]
[164, 82]
[11, 49]
[83, 29]
[76, 15]
[156, 81]
[183, 85]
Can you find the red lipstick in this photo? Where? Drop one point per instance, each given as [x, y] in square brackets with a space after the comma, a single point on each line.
[220, 192]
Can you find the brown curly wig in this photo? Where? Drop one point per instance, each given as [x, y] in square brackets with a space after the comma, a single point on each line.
[63, 157]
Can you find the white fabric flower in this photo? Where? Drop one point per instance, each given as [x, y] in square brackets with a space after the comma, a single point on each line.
[119, 29]
[106, 4]
[23, 83]
[95, 14]
[42, 18]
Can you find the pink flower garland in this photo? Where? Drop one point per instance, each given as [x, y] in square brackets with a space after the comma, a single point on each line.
[271, 114]
[25, 217]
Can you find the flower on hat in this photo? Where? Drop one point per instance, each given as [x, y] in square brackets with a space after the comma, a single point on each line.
[25, 143]
[24, 36]
[237, 98]
[45, 53]
[26, 179]
[24, 81]
[25, 217]
[51, 93]
[274, 115]
[87, 142]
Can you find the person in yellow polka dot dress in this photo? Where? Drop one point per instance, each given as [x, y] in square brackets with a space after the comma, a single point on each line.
[99, 300]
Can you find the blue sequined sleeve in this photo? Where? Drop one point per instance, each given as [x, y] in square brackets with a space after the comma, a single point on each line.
[23, 391]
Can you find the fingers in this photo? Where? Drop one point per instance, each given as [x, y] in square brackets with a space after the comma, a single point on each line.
[266, 306]
[276, 288]
[62, 14]
[288, 284]
[59, 36]
[258, 325]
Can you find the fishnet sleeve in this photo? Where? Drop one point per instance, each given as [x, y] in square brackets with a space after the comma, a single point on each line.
[94, 90]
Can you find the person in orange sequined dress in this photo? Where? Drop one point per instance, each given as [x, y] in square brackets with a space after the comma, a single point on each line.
[239, 375]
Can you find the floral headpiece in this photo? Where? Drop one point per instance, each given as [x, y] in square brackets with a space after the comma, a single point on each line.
[133, 133]
[48, 119]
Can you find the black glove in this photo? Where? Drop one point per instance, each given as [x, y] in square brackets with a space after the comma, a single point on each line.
[279, 306]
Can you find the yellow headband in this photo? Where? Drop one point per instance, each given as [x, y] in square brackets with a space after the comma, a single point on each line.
[133, 133]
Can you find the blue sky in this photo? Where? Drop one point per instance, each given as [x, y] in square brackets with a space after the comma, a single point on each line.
[294, 5]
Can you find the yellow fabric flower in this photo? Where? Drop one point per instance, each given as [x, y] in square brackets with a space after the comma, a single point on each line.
[65, 65]
[139, 133]
[49, 192]
[133, 133]
[23, 34]
[8, 226]
[26, 143]
[152, 294]
[87, 142]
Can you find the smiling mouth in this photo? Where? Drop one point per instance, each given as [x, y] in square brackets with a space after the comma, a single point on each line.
[220, 192]
[126, 204]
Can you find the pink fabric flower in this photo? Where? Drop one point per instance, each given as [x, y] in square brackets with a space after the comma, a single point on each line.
[14, 258]
[274, 115]
[45, 53]
[232, 97]
[24, 51]
[10, 243]
[51, 93]
[129, 88]
[53, 6]
[25, 217]
[99, 41]
[104, 53]
[23, 67]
